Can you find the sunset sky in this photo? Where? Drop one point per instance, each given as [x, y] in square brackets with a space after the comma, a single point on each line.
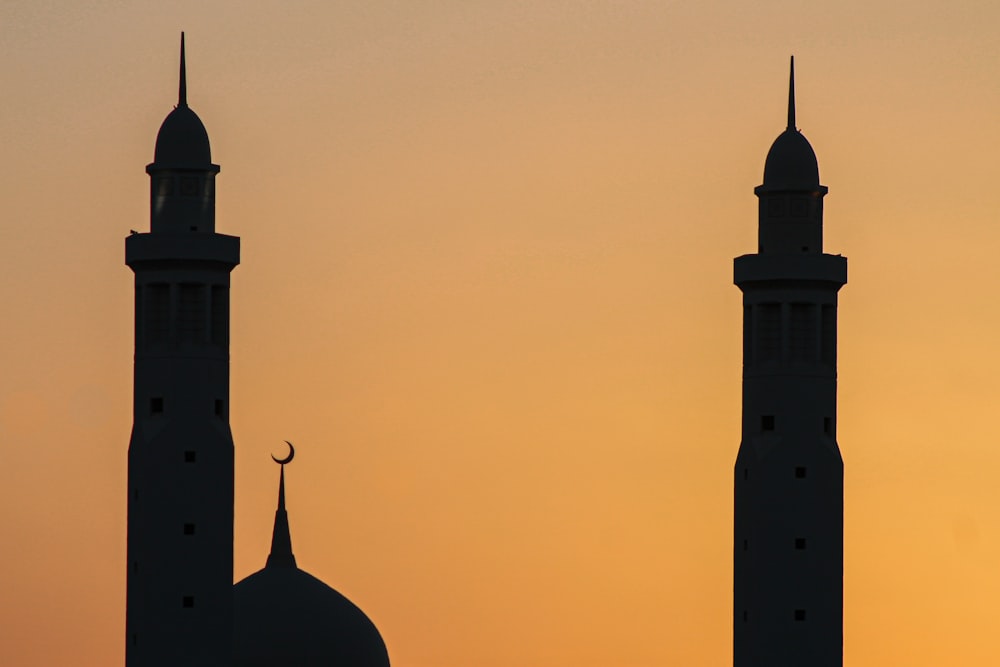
[486, 289]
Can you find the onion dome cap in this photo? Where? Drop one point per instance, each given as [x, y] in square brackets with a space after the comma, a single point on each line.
[791, 164]
[182, 140]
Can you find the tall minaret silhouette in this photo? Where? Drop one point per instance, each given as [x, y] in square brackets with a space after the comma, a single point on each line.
[788, 559]
[180, 459]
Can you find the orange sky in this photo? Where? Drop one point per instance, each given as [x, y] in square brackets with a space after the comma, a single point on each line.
[486, 291]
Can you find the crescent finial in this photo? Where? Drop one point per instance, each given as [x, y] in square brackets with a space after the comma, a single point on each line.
[287, 459]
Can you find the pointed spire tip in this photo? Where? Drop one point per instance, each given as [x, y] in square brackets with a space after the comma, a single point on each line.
[182, 88]
[281, 489]
[791, 93]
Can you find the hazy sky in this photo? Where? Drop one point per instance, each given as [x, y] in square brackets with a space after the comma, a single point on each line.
[487, 292]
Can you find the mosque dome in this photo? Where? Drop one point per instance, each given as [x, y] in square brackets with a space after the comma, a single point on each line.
[285, 617]
[182, 140]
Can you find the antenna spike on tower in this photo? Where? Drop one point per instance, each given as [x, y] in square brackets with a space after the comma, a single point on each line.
[281, 489]
[182, 91]
[791, 94]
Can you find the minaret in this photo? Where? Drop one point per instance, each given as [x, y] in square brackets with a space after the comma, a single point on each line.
[180, 459]
[788, 551]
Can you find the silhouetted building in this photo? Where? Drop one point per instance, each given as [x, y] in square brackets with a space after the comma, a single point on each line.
[288, 618]
[180, 463]
[788, 559]
[180, 594]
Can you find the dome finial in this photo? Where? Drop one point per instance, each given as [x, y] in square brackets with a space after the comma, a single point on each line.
[791, 94]
[182, 93]
[281, 539]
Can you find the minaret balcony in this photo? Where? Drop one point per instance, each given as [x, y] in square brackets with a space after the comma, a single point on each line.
[809, 268]
[186, 247]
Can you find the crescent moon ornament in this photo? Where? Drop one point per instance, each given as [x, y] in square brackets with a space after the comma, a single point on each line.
[287, 459]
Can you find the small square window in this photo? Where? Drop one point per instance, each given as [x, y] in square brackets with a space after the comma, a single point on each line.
[189, 529]
[744, 615]
[746, 545]
[767, 423]
[746, 473]
[156, 405]
[800, 543]
[220, 408]
[800, 472]
[187, 601]
[800, 614]
[190, 456]
[827, 425]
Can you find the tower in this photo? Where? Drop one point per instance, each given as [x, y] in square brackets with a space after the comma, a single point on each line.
[788, 550]
[180, 458]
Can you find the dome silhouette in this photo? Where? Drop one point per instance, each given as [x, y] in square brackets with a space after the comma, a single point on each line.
[285, 617]
[182, 140]
[791, 163]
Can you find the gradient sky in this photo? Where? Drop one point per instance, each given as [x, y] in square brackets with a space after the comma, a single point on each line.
[487, 291]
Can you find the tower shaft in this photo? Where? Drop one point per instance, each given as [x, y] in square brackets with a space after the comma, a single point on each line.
[180, 460]
[789, 475]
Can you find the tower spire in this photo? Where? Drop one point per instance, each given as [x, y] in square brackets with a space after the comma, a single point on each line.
[281, 539]
[791, 93]
[182, 88]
